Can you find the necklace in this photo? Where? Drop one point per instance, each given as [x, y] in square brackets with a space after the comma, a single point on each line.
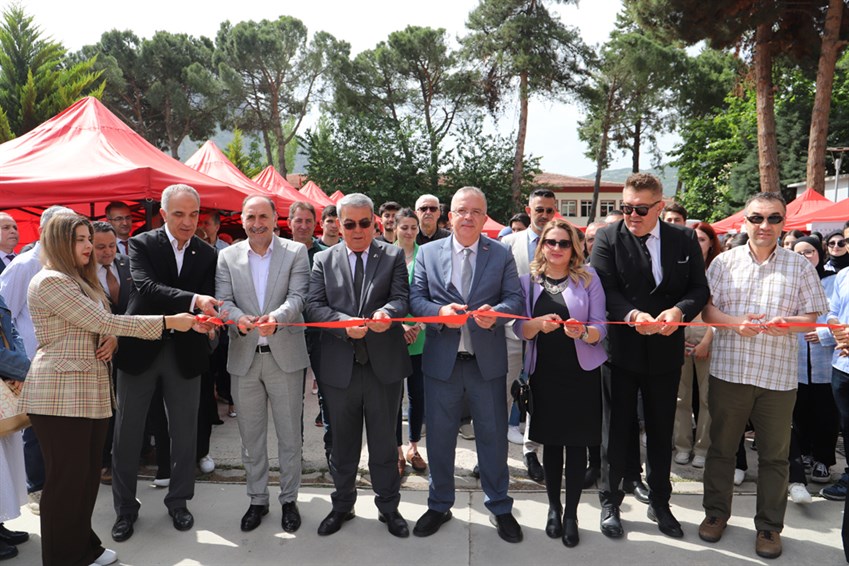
[555, 286]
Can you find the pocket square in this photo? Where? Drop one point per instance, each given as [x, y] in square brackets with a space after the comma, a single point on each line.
[685, 260]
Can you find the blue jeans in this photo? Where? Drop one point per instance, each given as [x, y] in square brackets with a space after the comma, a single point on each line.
[33, 461]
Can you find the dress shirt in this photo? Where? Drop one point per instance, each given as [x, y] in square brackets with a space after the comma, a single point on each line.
[260, 265]
[126, 245]
[653, 245]
[14, 282]
[839, 310]
[101, 276]
[785, 284]
[220, 244]
[533, 242]
[457, 273]
[352, 261]
[179, 254]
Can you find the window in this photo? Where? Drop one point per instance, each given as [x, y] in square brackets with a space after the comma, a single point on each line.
[606, 206]
[586, 208]
[569, 208]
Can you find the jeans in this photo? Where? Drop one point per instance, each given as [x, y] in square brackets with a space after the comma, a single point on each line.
[33, 461]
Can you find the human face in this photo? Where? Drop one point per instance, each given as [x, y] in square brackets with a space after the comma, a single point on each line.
[388, 219]
[407, 230]
[517, 226]
[8, 233]
[541, 210]
[122, 220]
[788, 241]
[428, 212]
[764, 235]
[641, 225]
[809, 252]
[302, 225]
[207, 222]
[467, 217]
[259, 220]
[834, 249]
[330, 227]
[357, 237]
[557, 257]
[105, 247]
[704, 243]
[182, 218]
[674, 218]
[589, 240]
[82, 246]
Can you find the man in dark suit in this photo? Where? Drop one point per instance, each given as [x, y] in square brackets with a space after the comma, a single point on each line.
[653, 275]
[173, 271]
[361, 368]
[466, 271]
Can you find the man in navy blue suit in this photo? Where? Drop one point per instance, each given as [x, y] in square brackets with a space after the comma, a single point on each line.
[466, 272]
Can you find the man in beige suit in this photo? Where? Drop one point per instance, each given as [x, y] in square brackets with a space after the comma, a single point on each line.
[263, 281]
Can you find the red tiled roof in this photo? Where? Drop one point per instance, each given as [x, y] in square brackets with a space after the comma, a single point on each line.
[557, 181]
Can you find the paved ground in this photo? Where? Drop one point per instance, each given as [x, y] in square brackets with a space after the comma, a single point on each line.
[811, 536]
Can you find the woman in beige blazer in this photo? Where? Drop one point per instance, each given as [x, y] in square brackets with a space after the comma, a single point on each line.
[68, 393]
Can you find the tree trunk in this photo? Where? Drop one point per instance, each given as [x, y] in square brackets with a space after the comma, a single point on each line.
[602, 149]
[831, 47]
[635, 154]
[518, 161]
[767, 144]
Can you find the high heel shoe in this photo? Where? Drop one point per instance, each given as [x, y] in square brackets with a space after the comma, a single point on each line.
[554, 525]
[570, 532]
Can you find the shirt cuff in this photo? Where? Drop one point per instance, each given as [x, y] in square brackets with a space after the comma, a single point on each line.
[192, 305]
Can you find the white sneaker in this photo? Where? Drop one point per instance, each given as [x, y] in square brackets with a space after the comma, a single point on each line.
[682, 458]
[161, 482]
[34, 502]
[467, 431]
[739, 476]
[799, 493]
[207, 464]
[514, 435]
[107, 557]
[698, 462]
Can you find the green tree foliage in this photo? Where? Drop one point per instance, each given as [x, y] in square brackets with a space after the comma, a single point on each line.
[250, 162]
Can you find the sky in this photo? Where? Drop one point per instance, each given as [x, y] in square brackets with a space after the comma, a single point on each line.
[552, 125]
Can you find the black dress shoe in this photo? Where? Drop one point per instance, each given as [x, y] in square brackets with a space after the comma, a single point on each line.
[395, 523]
[591, 476]
[570, 532]
[638, 488]
[430, 522]
[123, 527]
[611, 525]
[182, 518]
[333, 522]
[253, 517]
[7, 551]
[12, 538]
[291, 520]
[534, 467]
[508, 528]
[554, 525]
[666, 521]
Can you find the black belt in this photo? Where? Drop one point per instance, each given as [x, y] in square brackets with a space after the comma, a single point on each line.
[465, 356]
[263, 349]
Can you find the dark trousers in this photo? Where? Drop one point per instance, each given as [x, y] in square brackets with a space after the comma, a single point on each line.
[816, 421]
[552, 465]
[415, 395]
[660, 394]
[840, 389]
[597, 455]
[366, 397]
[72, 448]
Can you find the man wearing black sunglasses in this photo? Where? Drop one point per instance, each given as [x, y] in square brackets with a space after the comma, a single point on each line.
[653, 274]
[427, 209]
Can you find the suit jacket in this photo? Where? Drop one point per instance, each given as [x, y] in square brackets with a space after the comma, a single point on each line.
[285, 292]
[518, 244]
[125, 281]
[495, 283]
[331, 298]
[65, 378]
[626, 275]
[157, 289]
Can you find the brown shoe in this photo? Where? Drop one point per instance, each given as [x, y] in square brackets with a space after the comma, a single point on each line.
[402, 466]
[711, 529]
[416, 461]
[768, 544]
[106, 476]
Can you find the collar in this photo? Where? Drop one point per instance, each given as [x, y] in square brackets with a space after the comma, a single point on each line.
[173, 240]
[349, 251]
[458, 247]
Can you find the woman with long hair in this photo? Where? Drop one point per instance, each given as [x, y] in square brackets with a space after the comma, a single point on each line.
[68, 393]
[563, 362]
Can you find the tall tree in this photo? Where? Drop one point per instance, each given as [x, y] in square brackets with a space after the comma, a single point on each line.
[520, 44]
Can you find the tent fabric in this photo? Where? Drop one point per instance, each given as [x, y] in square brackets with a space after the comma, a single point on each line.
[86, 154]
[491, 228]
[733, 223]
[820, 210]
[801, 211]
[273, 181]
[336, 197]
[314, 193]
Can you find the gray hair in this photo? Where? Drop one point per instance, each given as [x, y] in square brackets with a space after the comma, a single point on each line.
[174, 190]
[7, 215]
[355, 200]
[474, 190]
[421, 199]
[53, 211]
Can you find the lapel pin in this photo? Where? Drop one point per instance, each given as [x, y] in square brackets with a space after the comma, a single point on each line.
[193, 252]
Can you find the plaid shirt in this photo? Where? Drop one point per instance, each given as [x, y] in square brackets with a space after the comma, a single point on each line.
[786, 284]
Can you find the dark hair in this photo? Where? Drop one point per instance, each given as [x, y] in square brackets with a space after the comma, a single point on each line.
[214, 215]
[301, 205]
[113, 205]
[676, 208]
[715, 248]
[389, 206]
[406, 213]
[329, 210]
[541, 193]
[520, 217]
[102, 227]
[766, 197]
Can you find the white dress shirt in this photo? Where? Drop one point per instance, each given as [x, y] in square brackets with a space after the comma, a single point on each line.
[260, 265]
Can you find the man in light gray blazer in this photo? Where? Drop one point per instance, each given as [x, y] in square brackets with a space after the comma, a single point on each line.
[263, 281]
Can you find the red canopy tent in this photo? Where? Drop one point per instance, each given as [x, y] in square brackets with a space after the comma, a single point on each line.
[822, 211]
[491, 228]
[273, 181]
[806, 206]
[336, 197]
[314, 193]
[731, 224]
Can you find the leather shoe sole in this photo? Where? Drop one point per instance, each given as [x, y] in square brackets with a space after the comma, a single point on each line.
[430, 522]
[395, 523]
[253, 517]
[666, 525]
[333, 522]
[182, 519]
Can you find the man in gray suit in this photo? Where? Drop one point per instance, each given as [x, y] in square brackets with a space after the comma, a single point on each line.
[263, 282]
[361, 368]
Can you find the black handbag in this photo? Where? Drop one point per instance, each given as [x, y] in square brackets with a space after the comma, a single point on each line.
[521, 392]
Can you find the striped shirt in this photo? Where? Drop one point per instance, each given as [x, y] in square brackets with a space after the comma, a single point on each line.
[786, 284]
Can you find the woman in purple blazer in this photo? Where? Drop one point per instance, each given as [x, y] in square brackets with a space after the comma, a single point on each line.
[563, 363]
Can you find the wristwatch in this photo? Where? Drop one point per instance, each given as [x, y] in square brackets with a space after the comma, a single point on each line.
[586, 333]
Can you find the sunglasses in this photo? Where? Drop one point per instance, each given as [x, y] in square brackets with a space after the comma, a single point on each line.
[428, 208]
[759, 219]
[640, 209]
[837, 244]
[562, 244]
[541, 210]
[351, 224]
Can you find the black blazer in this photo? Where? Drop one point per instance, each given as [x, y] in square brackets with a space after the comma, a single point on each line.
[158, 289]
[626, 275]
[331, 297]
[125, 282]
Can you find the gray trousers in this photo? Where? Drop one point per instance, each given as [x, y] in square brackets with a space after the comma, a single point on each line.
[265, 382]
[181, 396]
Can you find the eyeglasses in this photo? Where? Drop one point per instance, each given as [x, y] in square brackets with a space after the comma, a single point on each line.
[758, 219]
[127, 218]
[351, 224]
[562, 244]
[807, 253]
[474, 213]
[640, 209]
[428, 208]
[541, 210]
[837, 243]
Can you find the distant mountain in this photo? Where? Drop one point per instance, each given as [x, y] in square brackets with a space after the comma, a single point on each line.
[668, 176]
[222, 138]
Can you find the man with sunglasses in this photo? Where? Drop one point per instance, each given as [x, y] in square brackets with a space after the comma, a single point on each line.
[653, 277]
[361, 368]
[427, 209]
[753, 371]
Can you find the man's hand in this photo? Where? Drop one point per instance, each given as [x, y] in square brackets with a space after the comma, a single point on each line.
[749, 331]
[840, 331]
[452, 310]
[266, 324]
[411, 334]
[203, 327]
[772, 330]
[812, 337]
[646, 324]
[673, 315]
[208, 305]
[356, 332]
[701, 350]
[245, 323]
[485, 322]
[379, 326]
[107, 347]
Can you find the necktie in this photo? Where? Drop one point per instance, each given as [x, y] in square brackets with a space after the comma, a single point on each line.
[126, 246]
[645, 246]
[112, 283]
[10, 257]
[466, 284]
[360, 351]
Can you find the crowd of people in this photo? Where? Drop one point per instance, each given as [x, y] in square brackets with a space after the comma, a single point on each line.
[640, 329]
